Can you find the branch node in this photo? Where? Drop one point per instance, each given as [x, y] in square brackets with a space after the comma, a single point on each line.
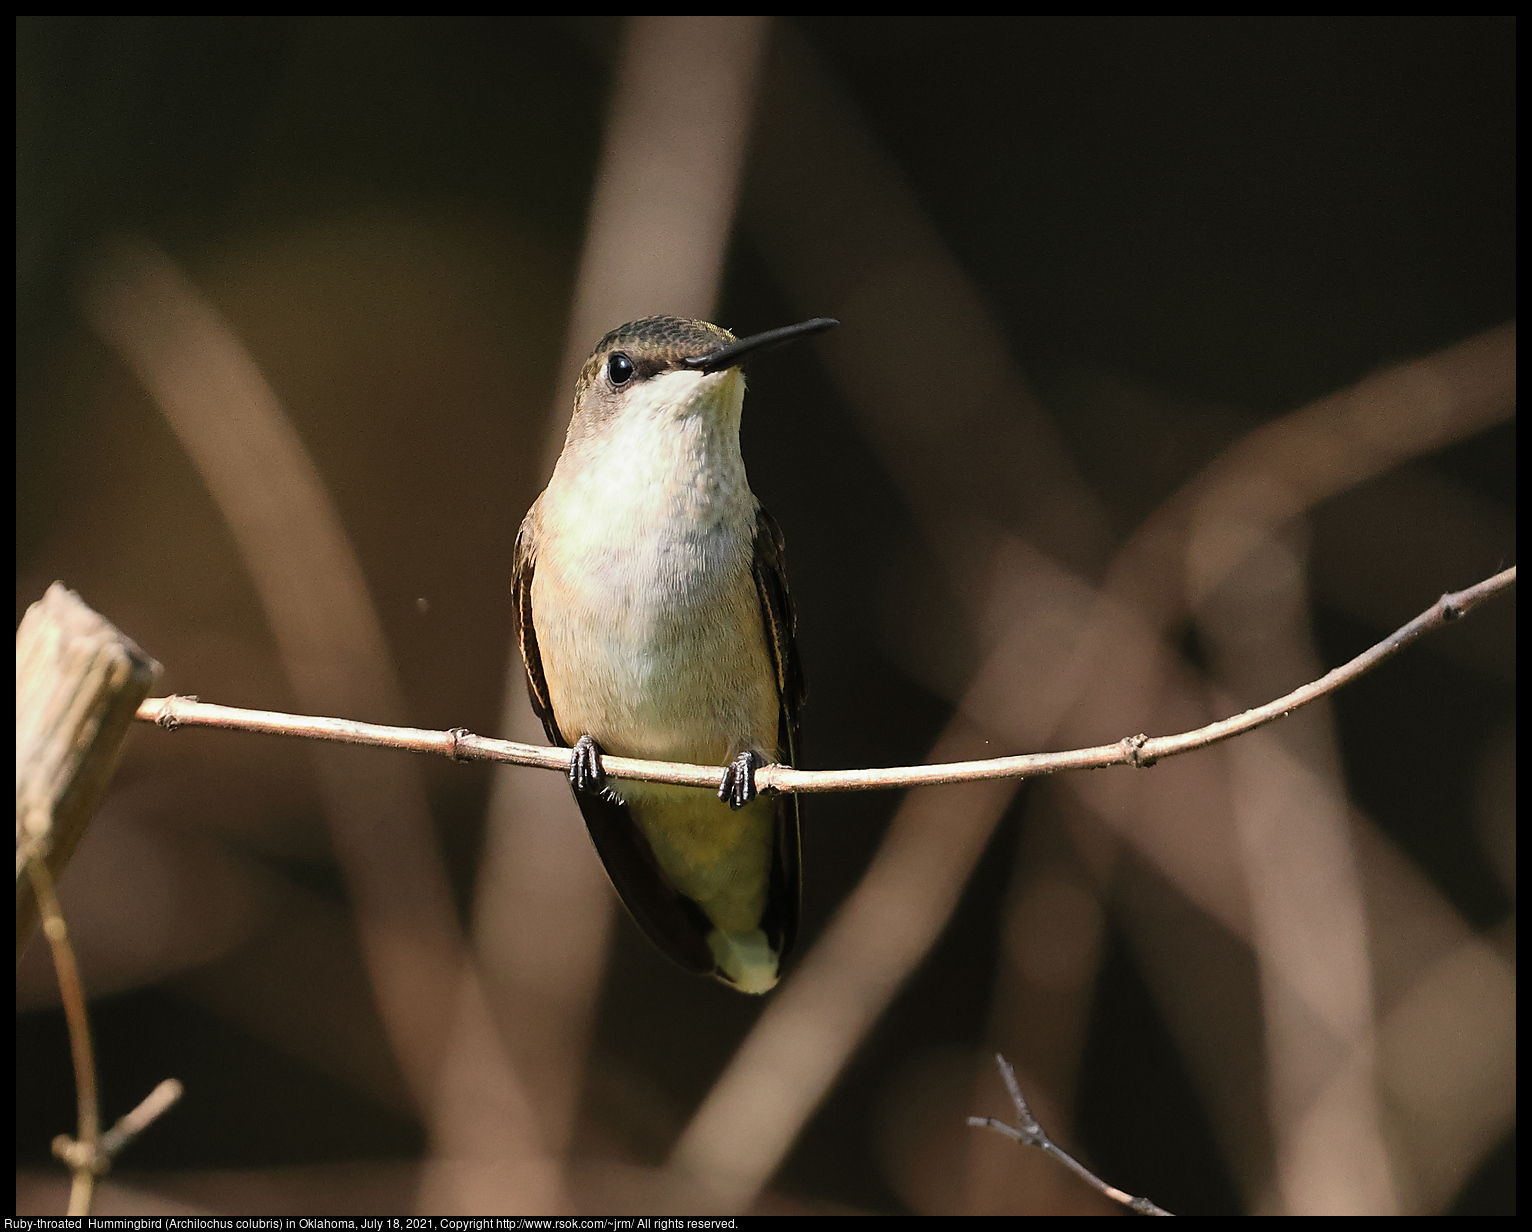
[457, 735]
[168, 719]
[1452, 606]
[1133, 746]
[77, 1156]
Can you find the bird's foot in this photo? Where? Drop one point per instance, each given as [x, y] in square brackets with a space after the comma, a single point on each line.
[585, 770]
[738, 786]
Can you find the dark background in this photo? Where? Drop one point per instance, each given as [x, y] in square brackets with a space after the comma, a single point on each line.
[1233, 214]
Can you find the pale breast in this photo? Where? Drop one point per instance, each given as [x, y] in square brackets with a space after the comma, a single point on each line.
[650, 627]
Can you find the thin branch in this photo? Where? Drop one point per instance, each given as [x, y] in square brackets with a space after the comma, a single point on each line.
[1029, 1133]
[154, 1105]
[1142, 751]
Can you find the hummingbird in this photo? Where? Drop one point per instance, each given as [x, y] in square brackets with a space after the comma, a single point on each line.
[654, 621]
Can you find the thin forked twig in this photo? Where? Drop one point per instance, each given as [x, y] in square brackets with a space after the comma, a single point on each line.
[1029, 1133]
[72, 994]
[1142, 751]
[110, 1144]
[90, 1153]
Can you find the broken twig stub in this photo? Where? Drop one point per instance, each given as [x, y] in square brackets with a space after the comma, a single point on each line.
[78, 684]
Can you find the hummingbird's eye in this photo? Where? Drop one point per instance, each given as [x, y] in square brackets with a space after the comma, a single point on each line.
[619, 369]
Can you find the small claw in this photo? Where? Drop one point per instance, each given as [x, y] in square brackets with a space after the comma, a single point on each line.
[738, 786]
[586, 772]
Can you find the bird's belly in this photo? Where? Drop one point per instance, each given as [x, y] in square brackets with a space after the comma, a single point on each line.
[659, 663]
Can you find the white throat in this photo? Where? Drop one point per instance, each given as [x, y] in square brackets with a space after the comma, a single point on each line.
[666, 470]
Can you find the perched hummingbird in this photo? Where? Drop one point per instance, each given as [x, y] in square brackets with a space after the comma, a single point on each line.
[654, 621]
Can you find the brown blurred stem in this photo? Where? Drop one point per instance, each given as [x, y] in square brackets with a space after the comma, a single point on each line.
[1029, 1133]
[1142, 751]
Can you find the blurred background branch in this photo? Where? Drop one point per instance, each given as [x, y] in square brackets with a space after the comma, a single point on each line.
[659, 220]
[1046, 485]
[332, 647]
